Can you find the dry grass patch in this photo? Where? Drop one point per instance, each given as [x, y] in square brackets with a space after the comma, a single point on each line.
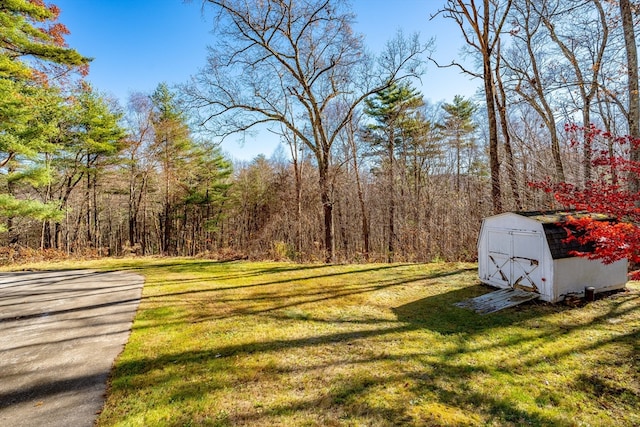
[267, 344]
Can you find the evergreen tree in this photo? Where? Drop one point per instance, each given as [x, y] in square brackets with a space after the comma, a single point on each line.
[395, 114]
[458, 128]
[31, 46]
[89, 139]
[206, 190]
[171, 148]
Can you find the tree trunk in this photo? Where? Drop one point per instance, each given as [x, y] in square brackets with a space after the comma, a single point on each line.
[327, 207]
[97, 235]
[391, 197]
[58, 240]
[46, 235]
[87, 196]
[550, 121]
[501, 102]
[12, 236]
[494, 161]
[166, 228]
[458, 150]
[132, 202]
[361, 202]
[489, 93]
[587, 149]
[634, 95]
[297, 170]
[167, 208]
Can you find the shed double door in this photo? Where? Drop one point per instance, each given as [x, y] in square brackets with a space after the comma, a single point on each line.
[514, 259]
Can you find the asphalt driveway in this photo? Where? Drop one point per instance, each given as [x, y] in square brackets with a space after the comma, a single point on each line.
[59, 335]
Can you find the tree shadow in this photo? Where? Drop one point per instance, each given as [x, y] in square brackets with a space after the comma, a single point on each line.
[33, 393]
[438, 312]
[440, 373]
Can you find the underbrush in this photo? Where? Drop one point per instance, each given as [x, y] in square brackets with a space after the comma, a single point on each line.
[15, 254]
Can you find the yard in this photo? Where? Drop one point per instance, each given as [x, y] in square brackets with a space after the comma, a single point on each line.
[264, 344]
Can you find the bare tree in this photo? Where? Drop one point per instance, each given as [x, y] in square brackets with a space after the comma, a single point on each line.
[581, 33]
[350, 132]
[633, 116]
[481, 26]
[532, 70]
[277, 59]
[141, 134]
[297, 158]
[501, 104]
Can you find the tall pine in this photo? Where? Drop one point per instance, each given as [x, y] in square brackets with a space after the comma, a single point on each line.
[32, 50]
[458, 128]
[394, 112]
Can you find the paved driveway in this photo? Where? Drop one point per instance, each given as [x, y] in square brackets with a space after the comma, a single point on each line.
[59, 335]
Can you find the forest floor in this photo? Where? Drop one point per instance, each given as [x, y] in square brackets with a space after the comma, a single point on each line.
[264, 344]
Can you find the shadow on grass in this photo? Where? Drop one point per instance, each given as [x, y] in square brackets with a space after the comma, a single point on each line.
[438, 373]
[439, 314]
[222, 270]
[214, 283]
[346, 394]
[274, 299]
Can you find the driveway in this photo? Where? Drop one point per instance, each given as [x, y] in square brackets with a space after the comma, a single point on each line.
[59, 335]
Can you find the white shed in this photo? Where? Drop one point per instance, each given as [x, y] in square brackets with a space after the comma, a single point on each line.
[527, 250]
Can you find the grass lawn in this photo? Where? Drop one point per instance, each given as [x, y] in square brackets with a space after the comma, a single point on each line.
[280, 344]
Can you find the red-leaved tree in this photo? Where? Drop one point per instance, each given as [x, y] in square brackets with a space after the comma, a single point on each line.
[607, 194]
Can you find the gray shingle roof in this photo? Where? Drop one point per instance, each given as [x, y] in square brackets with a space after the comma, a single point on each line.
[555, 228]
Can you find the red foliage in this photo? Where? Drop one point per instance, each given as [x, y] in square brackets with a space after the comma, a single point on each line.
[84, 70]
[58, 32]
[39, 3]
[608, 194]
[55, 11]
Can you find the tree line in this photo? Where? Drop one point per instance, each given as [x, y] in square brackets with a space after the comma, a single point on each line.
[368, 169]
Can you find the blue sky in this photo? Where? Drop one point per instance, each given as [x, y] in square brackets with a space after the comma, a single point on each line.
[137, 44]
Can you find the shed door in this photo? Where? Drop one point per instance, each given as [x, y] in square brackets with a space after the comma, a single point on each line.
[514, 259]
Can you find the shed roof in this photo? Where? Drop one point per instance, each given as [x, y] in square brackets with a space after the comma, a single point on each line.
[561, 216]
[555, 228]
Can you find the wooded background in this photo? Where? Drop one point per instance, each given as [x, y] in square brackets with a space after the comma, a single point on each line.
[368, 170]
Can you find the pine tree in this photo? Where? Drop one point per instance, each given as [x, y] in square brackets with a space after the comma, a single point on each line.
[458, 128]
[171, 148]
[32, 50]
[394, 111]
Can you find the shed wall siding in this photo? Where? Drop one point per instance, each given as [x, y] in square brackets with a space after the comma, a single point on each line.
[572, 275]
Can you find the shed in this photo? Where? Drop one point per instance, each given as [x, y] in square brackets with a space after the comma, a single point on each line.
[529, 251]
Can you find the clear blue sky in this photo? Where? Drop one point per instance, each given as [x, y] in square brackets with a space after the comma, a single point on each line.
[137, 44]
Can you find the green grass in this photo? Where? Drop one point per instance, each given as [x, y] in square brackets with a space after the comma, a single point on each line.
[268, 344]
